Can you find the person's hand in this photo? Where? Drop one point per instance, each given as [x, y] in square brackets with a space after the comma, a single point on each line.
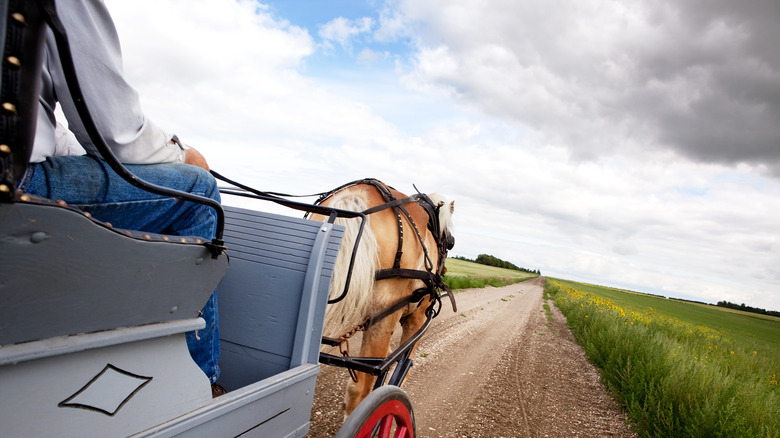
[195, 158]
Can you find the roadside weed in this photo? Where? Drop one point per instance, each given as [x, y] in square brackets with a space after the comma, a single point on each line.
[675, 377]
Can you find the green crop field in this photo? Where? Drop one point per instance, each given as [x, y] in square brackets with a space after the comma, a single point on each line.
[762, 331]
[681, 369]
[457, 267]
[462, 274]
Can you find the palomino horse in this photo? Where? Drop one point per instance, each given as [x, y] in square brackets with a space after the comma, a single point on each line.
[391, 240]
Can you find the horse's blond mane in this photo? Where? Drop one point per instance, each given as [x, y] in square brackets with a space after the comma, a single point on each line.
[445, 212]
[344, 315]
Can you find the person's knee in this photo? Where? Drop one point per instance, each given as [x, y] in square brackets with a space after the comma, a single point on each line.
[206, 183]
[195, 180]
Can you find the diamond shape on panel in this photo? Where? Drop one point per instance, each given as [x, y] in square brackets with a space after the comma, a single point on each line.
[107, 392]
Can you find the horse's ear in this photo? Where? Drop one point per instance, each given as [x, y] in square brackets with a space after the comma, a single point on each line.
[440, 204]
[452, 207]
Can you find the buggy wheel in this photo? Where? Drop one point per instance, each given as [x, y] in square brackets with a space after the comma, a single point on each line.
[386, 412]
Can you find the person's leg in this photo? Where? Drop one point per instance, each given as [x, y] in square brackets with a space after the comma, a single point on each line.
[204, 344]
[91, 185]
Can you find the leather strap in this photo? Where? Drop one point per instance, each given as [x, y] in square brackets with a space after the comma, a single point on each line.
[390, 204]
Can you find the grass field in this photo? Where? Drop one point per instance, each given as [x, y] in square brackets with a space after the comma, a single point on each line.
[462, 274]
[681, 369]
[763, 331]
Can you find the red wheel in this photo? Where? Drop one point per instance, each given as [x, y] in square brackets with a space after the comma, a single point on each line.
[386, 412]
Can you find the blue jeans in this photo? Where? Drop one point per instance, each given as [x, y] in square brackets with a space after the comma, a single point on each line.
[91, 185]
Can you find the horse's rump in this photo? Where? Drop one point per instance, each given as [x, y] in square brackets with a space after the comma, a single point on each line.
[378, 249]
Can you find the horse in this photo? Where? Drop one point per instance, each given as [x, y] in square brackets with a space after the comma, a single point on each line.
[407, 235]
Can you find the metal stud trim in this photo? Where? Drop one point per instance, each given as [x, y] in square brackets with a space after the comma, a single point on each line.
[9, 107]
[19, 18]
[14, 61]
[150, 237]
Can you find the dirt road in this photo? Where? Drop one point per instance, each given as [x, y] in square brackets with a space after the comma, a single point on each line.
[496, 368]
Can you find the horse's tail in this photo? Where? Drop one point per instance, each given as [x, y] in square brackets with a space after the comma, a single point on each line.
[352, 310]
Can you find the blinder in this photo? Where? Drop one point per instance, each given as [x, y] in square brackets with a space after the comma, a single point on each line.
[449, 241]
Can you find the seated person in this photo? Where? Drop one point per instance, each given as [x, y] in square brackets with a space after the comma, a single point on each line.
[87, 182]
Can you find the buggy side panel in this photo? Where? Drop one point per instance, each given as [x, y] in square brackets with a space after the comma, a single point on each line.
[65, 274]
[137, 378]
[92, 323]
[272, 302]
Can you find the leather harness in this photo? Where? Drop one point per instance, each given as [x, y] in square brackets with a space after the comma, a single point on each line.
[433, 279]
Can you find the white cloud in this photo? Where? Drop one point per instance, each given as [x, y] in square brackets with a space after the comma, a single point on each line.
[392, 26]
[237, 79]
[343, 31]
[496, 108]
[598, 77]
[369, 57]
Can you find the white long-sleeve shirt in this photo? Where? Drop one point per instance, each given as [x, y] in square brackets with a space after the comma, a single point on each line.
[113, 103]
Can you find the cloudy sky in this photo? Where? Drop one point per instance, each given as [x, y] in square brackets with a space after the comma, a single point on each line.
[629, 143]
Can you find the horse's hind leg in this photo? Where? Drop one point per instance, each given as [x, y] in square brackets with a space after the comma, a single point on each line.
[376, 342]
[412, 323]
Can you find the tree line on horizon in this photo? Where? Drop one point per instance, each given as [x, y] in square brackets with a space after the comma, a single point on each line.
[489, 260]
[727, 304]
[745, 308]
